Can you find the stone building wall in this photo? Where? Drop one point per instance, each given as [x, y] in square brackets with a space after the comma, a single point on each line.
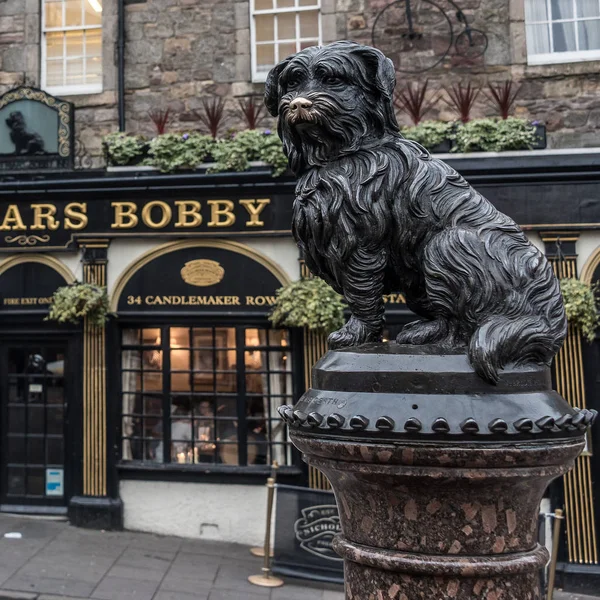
[178, 51]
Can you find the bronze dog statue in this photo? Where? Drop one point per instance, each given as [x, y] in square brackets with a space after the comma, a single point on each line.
[375, 213]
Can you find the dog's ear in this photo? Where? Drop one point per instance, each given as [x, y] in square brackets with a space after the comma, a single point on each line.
[272, 87]
[377, 63]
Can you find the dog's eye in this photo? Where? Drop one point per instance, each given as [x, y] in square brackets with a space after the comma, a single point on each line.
[332, 80]
[293, 82]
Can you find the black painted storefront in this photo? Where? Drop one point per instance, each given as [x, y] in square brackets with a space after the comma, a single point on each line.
[554, 194]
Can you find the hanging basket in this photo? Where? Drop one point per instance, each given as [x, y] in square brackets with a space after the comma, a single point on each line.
[311, 303]
[72, 303]
[580, 306]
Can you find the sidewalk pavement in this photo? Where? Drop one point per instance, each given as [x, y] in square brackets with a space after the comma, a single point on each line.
[54, 561]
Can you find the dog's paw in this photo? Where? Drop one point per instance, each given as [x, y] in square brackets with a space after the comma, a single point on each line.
[418, 333]
[353, 333]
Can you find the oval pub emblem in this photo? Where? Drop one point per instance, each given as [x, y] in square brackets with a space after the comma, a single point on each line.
[202, 272]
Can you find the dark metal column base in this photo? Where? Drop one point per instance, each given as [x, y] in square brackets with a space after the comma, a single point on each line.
[94, 512]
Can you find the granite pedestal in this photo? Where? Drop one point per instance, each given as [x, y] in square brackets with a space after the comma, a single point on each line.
[438, 475]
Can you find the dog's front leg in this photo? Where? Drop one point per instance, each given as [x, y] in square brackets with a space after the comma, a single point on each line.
[364, 295]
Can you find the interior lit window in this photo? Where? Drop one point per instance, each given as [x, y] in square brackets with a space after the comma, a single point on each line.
[72, 46]
[205, 395]
[560, 31]
[280, 28]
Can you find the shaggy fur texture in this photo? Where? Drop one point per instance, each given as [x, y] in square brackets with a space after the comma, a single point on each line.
[375, 213]
[25, 142]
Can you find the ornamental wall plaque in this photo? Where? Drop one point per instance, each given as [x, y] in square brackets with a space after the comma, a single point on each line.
[36, 131]
[419, 34]
[202, 272]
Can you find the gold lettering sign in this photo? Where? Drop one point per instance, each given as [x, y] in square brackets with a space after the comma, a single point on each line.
[202, 272]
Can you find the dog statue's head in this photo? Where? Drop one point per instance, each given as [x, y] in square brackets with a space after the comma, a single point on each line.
[331, 101]
[16, 121]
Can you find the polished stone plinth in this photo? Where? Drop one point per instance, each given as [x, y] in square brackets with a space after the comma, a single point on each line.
[438, 475]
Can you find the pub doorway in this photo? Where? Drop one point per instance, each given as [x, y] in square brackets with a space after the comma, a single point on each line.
[34, 391]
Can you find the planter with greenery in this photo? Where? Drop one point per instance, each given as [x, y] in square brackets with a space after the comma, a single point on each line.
[236, 152]
[172, 151]
[71, 303]
[311, 303]
[495, 135]
[435, 136]
[122, 149]
[580, 306]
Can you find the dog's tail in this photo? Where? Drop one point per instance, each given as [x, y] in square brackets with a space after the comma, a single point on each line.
[502, 340]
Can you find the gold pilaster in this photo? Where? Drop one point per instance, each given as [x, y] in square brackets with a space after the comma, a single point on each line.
[94, 382]
[315, 346]
[568, 367]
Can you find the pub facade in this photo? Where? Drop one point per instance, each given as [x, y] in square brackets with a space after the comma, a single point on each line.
[164, 419]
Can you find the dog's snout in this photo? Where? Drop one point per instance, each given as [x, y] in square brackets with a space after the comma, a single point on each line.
[298, 103]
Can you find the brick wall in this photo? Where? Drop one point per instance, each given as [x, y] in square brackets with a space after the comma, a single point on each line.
[180, 50]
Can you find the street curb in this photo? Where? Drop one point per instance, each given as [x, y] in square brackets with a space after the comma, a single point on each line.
[6, 595]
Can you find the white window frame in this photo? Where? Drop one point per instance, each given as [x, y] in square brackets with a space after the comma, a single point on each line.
[66, 90]
[261, 76]
[553, 58]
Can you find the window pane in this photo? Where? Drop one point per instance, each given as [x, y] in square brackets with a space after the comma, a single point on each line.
[180, 337]
[309, 24]
[228, 452]
[265, 57]
[131, 359]
[36, 418]
[589, 35]
[538, 39]
[224, 337]
[131, 337]
[180, 382]
[263, 4]
[93, 47]
[55, 452]
[562, 9]
[74, 43]
[35, 481]
[16, 419]
[564, 37]
[54, 420]
[54, 72]
[150, 337]
[308, 2]
[73, 13]
[75, 72]
[286, 27]
[152, 382]
[53, 10]
[286, 50]
[35, 451]
[204, 360]
[226, 382]
[202, 337]
[54, 45]
[308, 44]
[536, 10]
[285, 3]
[265, 28]
[588, 8]
[180, 360]
[93, 12]
[16, 481]
[93, 70]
